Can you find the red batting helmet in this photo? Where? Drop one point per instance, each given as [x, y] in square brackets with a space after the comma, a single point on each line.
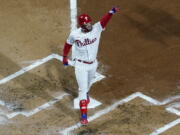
[84, 19]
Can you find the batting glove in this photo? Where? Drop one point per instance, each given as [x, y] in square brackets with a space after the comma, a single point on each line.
[114, 10]
[65, 60]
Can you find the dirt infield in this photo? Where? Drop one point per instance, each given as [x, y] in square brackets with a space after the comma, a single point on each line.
[139, 52]
[140, 47]
[133, 118]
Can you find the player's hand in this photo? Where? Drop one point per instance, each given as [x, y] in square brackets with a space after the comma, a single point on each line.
[114, 10]
[65, 60]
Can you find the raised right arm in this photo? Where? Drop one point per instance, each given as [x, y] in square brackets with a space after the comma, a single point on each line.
[105, 19]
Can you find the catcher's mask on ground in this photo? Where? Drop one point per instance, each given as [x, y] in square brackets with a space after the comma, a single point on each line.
[84, 21]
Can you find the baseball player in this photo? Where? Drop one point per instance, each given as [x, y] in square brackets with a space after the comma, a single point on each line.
[86, 42]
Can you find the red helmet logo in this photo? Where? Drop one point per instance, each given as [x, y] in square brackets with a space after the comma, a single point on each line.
[84, 19]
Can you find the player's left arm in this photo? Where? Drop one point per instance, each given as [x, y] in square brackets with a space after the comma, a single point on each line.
[105, 19]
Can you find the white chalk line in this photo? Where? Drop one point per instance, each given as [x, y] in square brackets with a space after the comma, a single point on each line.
[32, 66]
[168, 100]
[98, 77]
[38, 109]
[170, 109]
[29, 61]
[68, 130]
[166, 127]
[156, 102]
[73, 8]
[28, 68]
[2, 103]
[4, 116]
[175, 105]
[73, 12]
[173, 110]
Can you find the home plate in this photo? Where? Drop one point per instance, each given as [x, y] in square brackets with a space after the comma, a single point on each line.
[93, 103]
[98, 77]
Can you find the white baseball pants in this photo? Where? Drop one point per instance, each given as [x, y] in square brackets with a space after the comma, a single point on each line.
[85, 73]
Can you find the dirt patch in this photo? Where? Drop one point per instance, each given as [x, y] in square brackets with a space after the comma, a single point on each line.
[38, 86]
[133, 118]
[144, 40]
[49, 121]
[173, 131]
[31, 30]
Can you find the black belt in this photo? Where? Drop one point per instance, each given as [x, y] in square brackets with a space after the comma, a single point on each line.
[86, 62]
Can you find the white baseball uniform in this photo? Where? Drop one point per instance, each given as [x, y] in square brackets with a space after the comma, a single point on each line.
[85, 48]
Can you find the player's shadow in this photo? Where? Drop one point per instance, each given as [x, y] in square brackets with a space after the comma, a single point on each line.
[66, 75]
[23, 88]
[156, 25]
[67, 82]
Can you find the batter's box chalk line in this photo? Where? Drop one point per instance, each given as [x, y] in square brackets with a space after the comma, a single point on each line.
[32, 66]
[68, 131]
[172, 108]
[166, 127]
[38, 109]
[37, 63]
[175, 105]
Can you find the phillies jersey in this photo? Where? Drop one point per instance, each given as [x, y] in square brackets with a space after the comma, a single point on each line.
[85, 45]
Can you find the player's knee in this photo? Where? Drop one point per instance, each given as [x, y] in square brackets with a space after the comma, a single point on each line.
[83, 95]
[85, 89]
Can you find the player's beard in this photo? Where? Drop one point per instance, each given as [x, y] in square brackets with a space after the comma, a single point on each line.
[87, 28]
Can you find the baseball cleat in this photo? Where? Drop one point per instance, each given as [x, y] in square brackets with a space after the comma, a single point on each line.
[83, 110]
[84, 122]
